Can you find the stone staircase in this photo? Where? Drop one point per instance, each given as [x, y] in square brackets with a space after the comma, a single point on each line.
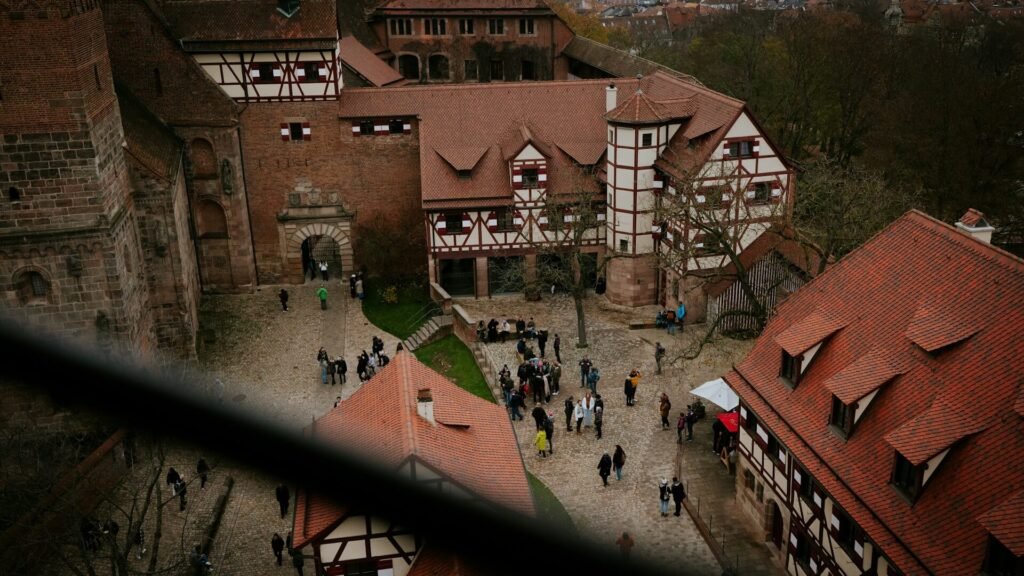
[435, 328]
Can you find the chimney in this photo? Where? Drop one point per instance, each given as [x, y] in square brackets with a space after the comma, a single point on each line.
[973, 224]
[611, 99]
[288, 7]
[425, 405]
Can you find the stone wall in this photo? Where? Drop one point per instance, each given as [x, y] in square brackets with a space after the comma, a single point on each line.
[632, 280]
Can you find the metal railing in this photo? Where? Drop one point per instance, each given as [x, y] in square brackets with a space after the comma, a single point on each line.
[150, 399]
[421, 316]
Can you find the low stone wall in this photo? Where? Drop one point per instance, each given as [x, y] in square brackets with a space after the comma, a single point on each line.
[441, 296]
[463, 326]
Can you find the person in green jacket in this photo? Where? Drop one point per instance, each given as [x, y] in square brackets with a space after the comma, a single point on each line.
[322, 294]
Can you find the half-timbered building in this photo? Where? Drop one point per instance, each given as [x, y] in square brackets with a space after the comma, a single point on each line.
[428, 429]
[882, 410]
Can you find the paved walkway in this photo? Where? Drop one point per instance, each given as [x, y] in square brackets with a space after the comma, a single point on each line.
[632, 504]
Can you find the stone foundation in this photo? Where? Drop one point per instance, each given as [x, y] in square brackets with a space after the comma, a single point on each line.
[632, 280]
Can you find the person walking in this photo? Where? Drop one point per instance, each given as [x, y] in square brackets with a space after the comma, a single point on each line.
[321, 293]
[324, 370]
[542, 341]
[578, 415]
[283, 498]
[515, 403]
[618, 461]
[604, 468]
[359, 289]
[556, 377]
[557, 347]
[585, 365]
[588, 410]
[541, 442]
[691, 417]
[592, 379]
[632, 384]
[537, 384]
[297, 561]
[203, 471]
[678, 494]
[664, 405]
[323, 271]
[680, 316]
[625, 544]
[172, 479]
[341, 368]
[332, 369]
[539, 415]
[181, 489]
[680, 426]
[659, 355]
[570, 407]
[549, 432]
[719, 431]
[277, 545]
[352, 286]
[664, 495]
[283, 296]
[598, 420]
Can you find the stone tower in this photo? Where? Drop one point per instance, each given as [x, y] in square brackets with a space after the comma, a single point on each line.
[71, 260]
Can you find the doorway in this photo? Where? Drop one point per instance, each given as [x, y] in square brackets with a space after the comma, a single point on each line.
[319, 249]
[776, 523]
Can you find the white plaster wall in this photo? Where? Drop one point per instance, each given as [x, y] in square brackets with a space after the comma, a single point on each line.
[862, 405]
[529, 153]
[933, 465]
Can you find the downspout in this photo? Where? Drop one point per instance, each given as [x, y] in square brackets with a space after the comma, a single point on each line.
[248, 205]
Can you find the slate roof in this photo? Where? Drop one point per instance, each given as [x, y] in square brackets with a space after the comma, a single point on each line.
[471, 441]
[1006, 522]
[963, 397]
[366, 63]
[563, 120]
[250, 20]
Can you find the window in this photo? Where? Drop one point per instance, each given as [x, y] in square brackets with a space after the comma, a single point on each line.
[846, 532]
[611, 136]
[741, 149]
[526, 27]
[401, 26]
[265, 73]
[366, 128]
[497, 70]
[453, 222]
[309, 71]
[496, 26]
[709, 244]
[396, 127]
[32, 288]
[805, 485]
[790, 371]
[464, 174]
[906, 477]
[803, 549]
[288, 7]
[435, 26]
[750, 422]
[842, 417]
[409, 66]
[506, 220]
[760, 492]
[775, 450]
[465, 26]
[13, 194]
[470, 70]
[761, 193]
[999, 561]
[748, 480]
[530, 178]
[528, 70]
[437, 67]
[646, 139]
[295, 130]
[623, 245]
[713, 198]
[361, 568]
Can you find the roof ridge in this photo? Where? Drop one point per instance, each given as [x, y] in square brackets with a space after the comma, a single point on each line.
[408, 420]
[488, 85]
[958, 237]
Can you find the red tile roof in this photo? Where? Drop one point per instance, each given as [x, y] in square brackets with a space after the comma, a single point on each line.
[366, 63]
[864, 375]
[249, 20]
[640, 109]
[1006, 522]
[972, 217]
[973, 385]
[776, 239]
[564, 120]
[463, 5]
[432, 561]
[807, 332]
[471, 441]
[934, 326]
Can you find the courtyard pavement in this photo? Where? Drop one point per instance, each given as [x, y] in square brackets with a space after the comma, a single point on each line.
[267, 360]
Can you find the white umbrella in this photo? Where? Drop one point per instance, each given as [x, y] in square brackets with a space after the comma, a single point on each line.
[718, 392]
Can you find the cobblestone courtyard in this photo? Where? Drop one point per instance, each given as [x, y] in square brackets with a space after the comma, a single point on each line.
[266, 359]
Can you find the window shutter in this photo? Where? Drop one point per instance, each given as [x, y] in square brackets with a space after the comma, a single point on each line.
[285, 133]
[307, 133]
[492, 222]
[568, 217]
[755, 146]
[323, 71]
[277, 74]
[300, 71]
[467, 222]
[407, 128]
[380, 129]
[254, 72]
[725, 149]
[542, 221]
[441, 226]
[776, 193]
[542, 173]
[517, 177]
[518, 219]
[356, 131]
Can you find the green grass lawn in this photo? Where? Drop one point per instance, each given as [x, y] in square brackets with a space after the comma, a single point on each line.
[394, 318]
[451, 357]
[549, 509]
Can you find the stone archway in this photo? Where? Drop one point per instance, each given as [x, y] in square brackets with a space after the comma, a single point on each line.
[337, 231]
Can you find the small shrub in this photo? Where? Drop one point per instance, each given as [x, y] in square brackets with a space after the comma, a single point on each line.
[389, 295]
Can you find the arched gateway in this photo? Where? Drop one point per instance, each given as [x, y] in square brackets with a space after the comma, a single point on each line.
[323, 240]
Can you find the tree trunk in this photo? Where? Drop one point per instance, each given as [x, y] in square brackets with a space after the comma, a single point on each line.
[581, 322]
[157, 532]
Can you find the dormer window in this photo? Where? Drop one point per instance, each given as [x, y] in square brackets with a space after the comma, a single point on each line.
[531, 177]
[464, 174]
[906, 477]
[1000, 560]
[366, 128]
[842, 417]
[789, 373]
[396, 127]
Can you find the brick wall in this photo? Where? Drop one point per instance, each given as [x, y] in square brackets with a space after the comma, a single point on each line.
[365, 175]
